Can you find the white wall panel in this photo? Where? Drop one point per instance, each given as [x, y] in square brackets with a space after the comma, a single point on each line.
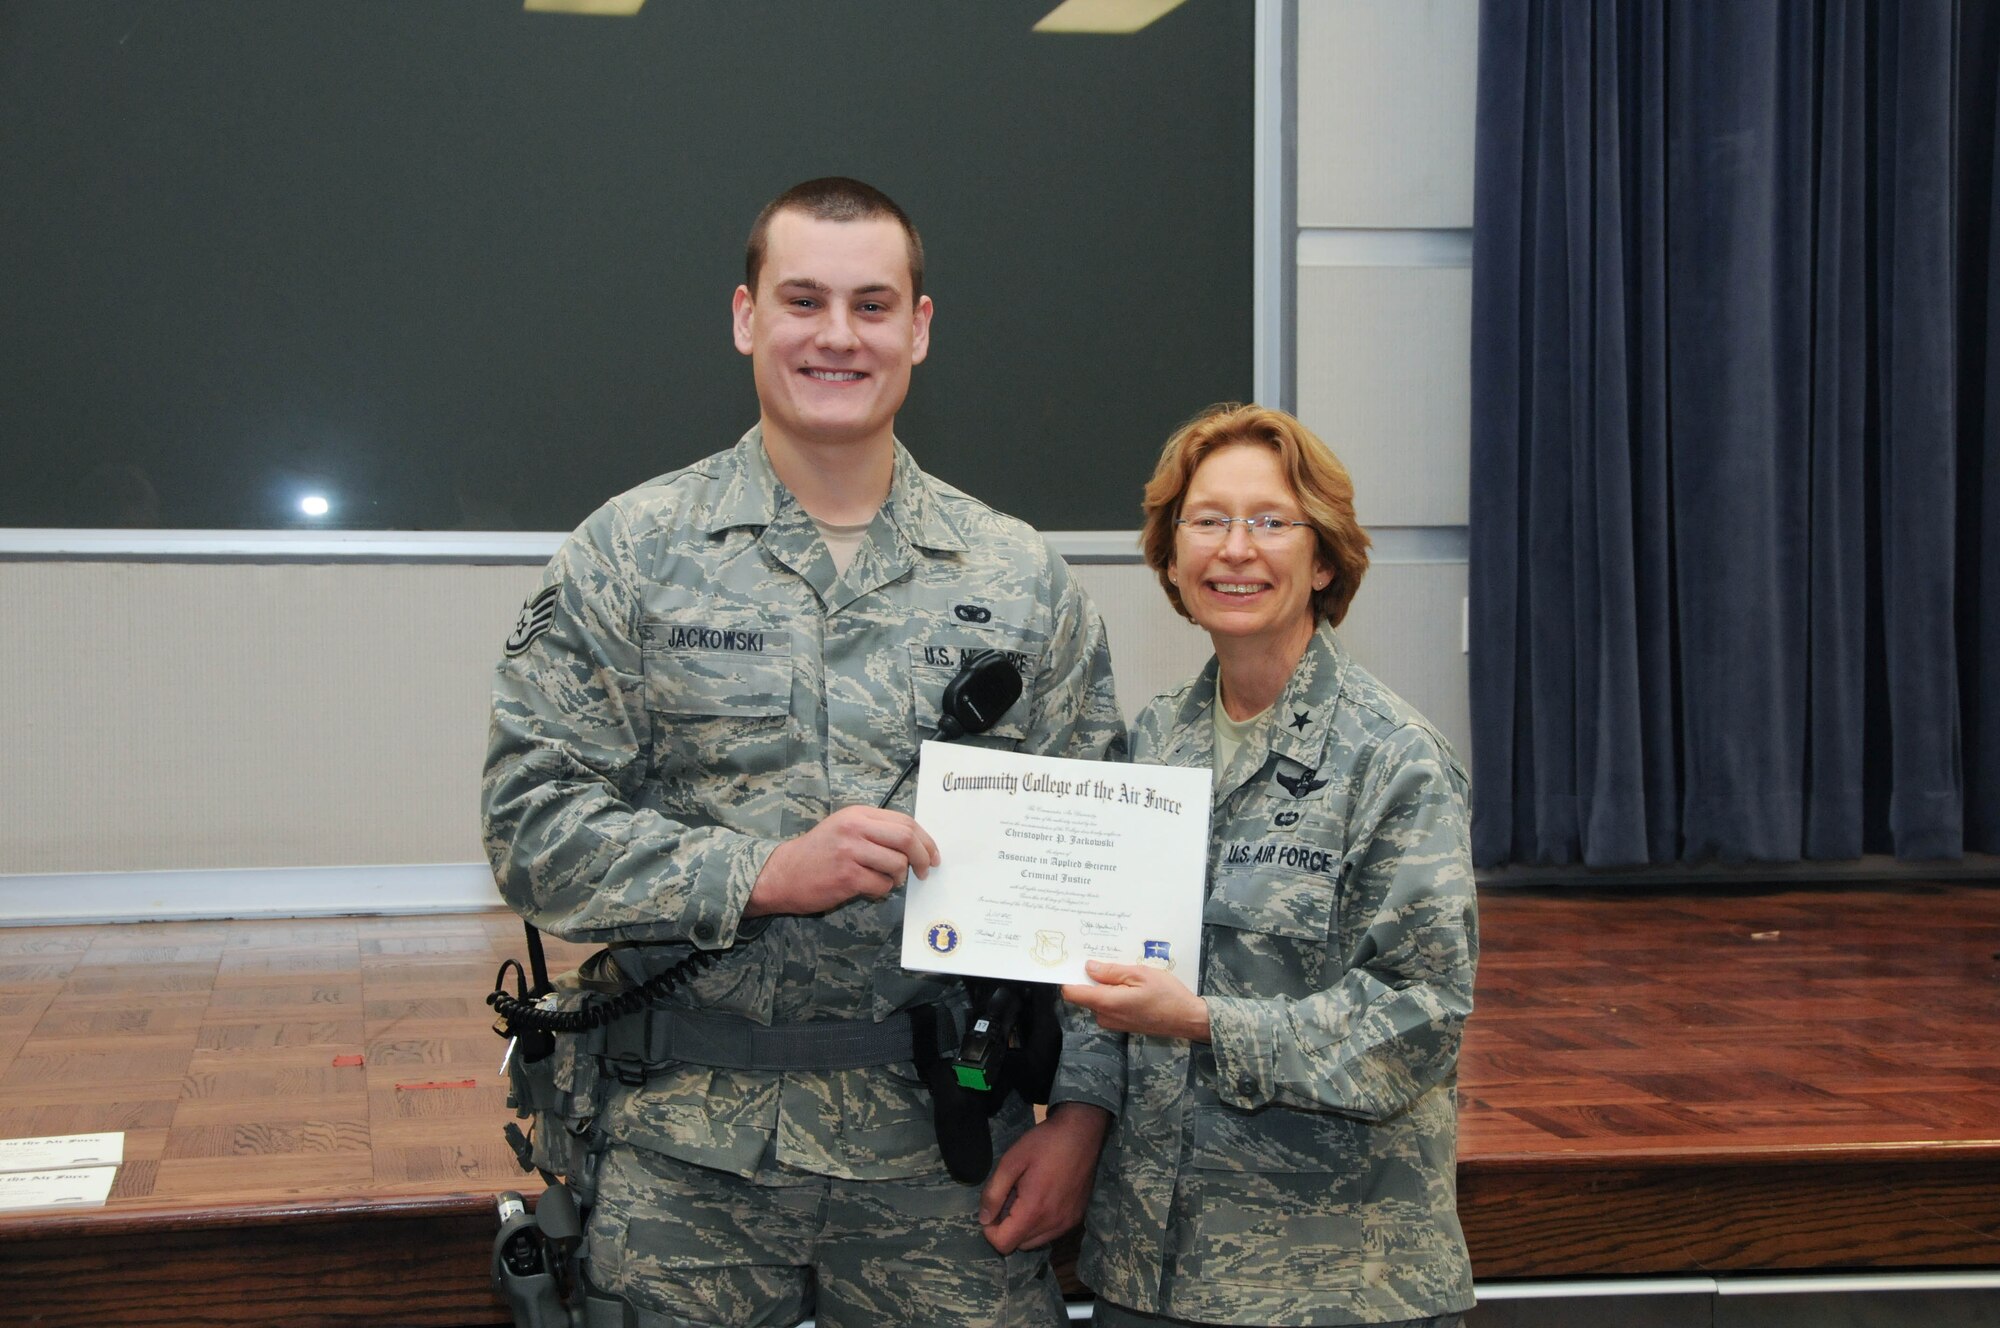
[1386, 104]
[1152, 647]
[1384, 377]
[1405, 628]
[190, 715]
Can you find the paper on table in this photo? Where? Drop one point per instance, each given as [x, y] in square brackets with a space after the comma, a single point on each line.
[1049, 862]
[57, 1151]
[78, 1187]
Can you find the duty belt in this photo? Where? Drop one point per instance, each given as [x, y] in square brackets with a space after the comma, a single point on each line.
[651, 1040]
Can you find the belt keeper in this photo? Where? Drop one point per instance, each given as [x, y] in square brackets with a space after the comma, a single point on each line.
[627, 1060]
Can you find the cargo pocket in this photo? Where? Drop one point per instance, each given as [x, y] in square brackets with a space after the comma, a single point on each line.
[561, 1096]
[1280, 1198]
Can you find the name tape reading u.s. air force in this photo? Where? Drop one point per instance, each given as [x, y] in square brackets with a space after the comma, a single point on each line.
[1048, 862]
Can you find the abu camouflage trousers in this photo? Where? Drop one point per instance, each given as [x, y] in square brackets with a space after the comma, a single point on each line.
[702, 1247]
[1107, 1315]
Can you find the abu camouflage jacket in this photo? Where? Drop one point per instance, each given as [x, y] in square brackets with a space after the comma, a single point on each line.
[1300, 1168]
[695, 683]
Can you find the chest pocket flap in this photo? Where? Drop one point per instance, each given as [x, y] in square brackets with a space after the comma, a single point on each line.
[1272, 898]
[934, 664]
[741, 669]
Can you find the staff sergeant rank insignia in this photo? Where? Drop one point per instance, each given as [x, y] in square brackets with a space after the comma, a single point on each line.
[537, 616]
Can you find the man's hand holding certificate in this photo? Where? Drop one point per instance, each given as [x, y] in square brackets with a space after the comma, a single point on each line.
[1046, 863]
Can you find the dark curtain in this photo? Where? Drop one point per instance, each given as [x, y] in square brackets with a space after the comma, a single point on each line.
[1735, 468]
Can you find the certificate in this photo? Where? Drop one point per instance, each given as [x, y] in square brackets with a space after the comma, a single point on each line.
[1049, 862]
[81, 1187]
[62, 1151]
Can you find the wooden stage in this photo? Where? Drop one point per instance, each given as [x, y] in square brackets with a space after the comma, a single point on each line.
[1654, 1082]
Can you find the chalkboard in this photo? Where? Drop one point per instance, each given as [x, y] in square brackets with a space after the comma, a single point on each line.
[453, 265]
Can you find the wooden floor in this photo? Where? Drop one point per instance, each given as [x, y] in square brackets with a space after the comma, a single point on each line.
[1653, 1083]
[1740, 1080]
[312, 1113]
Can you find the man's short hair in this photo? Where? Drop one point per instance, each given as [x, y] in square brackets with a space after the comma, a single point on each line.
[833, 198]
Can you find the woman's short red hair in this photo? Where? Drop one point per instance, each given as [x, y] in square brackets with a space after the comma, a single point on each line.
[1319, 481]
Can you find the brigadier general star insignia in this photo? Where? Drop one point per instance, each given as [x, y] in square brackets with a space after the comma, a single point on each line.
[1299, 719]
[1300, 785]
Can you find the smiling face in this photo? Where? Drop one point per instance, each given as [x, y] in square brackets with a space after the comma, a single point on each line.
[832, 331]
[1251, 590]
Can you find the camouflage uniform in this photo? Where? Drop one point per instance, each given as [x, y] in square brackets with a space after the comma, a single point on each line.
[694, 684]
[1301, 1167]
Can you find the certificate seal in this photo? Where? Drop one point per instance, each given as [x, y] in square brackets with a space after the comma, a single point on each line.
[942, 937]
[1049, 949]
[1158, 954]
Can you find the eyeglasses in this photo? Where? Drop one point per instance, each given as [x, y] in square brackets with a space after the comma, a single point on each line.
[1210, 528]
